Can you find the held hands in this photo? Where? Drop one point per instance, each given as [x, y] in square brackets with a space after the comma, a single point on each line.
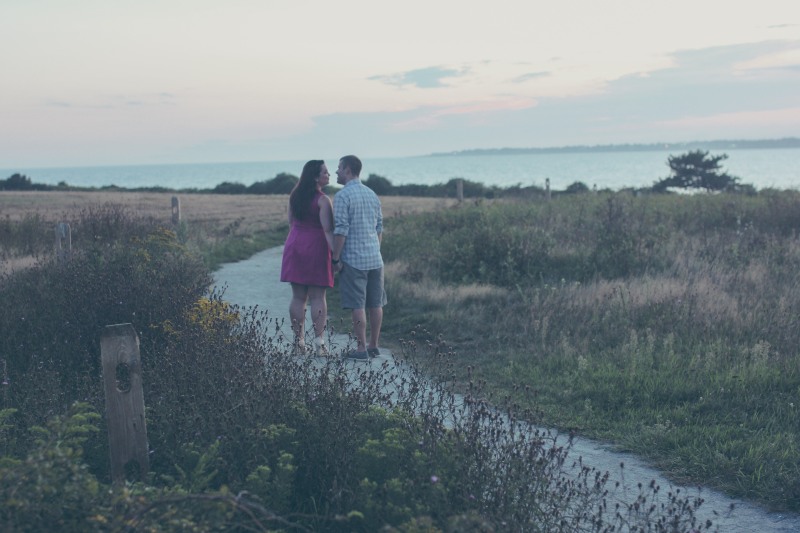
[337, 265]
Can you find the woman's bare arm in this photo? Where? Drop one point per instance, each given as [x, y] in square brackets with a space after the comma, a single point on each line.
[326, 218]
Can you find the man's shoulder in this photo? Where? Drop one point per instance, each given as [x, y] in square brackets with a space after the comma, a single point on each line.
[364, 189]
[356, 188]
[341, 193]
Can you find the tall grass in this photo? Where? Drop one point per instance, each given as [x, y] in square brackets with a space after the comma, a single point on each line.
[666, 324]
[246, 437]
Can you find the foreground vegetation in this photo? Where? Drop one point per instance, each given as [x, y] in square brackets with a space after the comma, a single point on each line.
[243, 436]
[667, 324]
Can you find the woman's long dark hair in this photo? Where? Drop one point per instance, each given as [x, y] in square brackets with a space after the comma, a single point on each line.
[305, 189]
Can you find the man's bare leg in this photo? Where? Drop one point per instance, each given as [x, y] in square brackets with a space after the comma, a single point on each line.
[360, 329]
[375, 322]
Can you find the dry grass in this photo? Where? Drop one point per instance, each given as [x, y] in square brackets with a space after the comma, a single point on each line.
[430, 291]
[211, 214]
[258, 211]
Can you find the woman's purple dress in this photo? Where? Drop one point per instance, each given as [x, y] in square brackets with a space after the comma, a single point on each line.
[306, 256]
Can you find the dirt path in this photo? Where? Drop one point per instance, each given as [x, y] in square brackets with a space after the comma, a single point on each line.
[255, 282]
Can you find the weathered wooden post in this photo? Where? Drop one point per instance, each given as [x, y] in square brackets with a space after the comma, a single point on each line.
[547, 188]
[5, 384]
[122, 377]
[176, 210]
[63, 242]
[460, 190]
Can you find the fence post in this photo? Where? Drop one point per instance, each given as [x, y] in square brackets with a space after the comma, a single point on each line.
[460, 190]
[63, 242]
[122, 378]
[547, 188]
[176, 210]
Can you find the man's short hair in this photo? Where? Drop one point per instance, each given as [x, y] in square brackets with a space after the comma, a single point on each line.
[353, 163]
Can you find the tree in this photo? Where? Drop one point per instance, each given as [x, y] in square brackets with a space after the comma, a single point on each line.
[17, 182]
[282, 183]
[227, 187]
[576, 187]
[379, 184]
[697, 170]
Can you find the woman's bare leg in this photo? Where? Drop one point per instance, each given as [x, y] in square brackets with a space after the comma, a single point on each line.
[319, 309]
[297, 312]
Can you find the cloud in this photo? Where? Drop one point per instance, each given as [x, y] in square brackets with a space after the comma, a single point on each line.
[423, 78]
[530, 76]
[701, 95]
[787, 117]
[430, 117]
[116, 101]
[715, 80]
[781, 59]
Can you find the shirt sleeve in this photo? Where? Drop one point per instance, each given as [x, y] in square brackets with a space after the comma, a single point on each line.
[341, 222]
[379, 224]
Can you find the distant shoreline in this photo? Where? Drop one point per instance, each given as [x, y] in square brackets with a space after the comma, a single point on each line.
[788, 142]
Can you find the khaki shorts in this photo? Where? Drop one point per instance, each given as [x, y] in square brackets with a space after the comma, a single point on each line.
[361, 289]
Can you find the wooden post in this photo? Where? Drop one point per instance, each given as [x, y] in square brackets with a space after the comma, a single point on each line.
[122, 377]
[63, 242]
[460, 190]
[547, 188]
[176, 210]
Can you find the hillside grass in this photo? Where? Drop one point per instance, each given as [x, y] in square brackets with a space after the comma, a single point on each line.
[668, 325]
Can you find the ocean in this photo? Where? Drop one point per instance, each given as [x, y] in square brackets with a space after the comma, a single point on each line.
[777, 168]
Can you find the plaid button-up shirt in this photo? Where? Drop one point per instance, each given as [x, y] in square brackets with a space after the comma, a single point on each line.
[358, 217]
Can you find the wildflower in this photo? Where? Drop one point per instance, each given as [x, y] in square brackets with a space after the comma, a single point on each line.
[434, 479]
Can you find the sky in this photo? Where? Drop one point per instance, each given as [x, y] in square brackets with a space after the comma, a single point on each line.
[92, 82]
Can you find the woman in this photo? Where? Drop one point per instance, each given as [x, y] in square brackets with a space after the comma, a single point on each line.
[307, 254]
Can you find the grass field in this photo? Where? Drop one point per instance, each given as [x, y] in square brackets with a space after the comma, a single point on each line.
[667, 325]
[243, 435]
[224, 227]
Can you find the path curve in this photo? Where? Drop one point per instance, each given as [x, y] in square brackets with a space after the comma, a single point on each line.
[255, 282]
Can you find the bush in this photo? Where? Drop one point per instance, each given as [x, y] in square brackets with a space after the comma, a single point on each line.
[380, 185]
[32, 235]
[576, 187]
[123, 269]
[281, 184]
[51, 488]
[20, 182]
[227, 187]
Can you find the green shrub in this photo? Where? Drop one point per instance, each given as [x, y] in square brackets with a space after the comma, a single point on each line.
[51, 489]
[281, 184]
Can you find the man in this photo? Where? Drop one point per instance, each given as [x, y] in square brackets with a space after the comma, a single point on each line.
[356, 255]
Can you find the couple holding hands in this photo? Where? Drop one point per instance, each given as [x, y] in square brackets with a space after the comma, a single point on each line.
[344, 237]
